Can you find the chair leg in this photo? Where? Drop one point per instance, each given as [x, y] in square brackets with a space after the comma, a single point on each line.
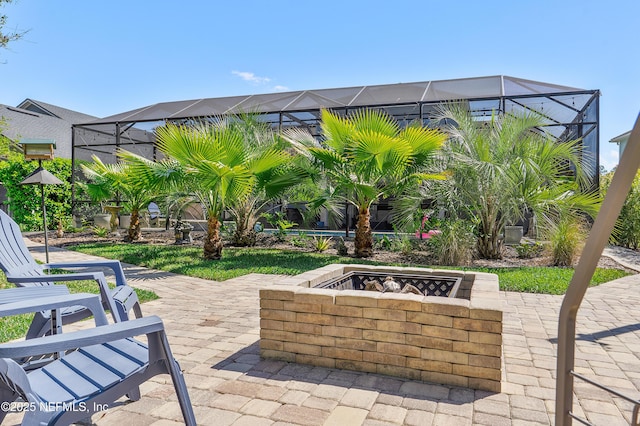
[178, 383]
[40, 325]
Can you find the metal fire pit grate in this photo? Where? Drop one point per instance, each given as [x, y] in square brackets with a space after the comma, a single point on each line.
[429, 285]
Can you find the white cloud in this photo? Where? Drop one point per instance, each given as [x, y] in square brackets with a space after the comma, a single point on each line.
[280, 88]
[609, 156]
[251, 77]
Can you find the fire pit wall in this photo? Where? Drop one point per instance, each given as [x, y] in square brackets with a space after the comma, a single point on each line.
[452, 341]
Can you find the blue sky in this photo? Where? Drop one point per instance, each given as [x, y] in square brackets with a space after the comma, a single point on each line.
[106, 57]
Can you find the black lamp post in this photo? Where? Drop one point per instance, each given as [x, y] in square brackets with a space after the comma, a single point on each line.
[40, 149]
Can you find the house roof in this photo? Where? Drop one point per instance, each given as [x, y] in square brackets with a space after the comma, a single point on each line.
[357, 96]
[39, 120]
[621, 138]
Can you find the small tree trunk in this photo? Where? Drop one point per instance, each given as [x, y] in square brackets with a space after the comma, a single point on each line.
[213, 242]
[134, 233]
[490, 244]
[363, 243]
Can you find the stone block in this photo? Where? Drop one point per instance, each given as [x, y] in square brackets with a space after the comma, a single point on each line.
[315, 318]
[385, 314]
[315, 296]
[399, 327]
[278, 355]
[429, 365]
[312, 339]
[357, 344]
[302, 327]
[445, 379]
[485, 361]
[271, 304]
[277, 315]
[271, 324]
[363, 299]
[385, 359]
[398, 349]
[278, 293]
[302, 307]
[482, 337]
[477, 325]
[477, 372]
[383, 336]
[446, 306]
[446, 356]
[363, 323]
[486, 385]
[347, 364]
[348, 332]
[301, 348]
[318, 361]
[267, 344]
[477, 348]
[393, 370]
[429, 342]
[342, 353]
[430, 319]
[445, 333]
[283, 336]
[399, 301]
[342, 310]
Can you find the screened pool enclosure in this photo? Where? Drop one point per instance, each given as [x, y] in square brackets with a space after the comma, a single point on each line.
[569, 113]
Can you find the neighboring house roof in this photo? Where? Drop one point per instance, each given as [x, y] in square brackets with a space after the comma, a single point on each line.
[621, 138]
[39, 120]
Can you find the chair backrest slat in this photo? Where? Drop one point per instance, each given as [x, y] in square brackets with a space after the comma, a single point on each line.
[15, 259]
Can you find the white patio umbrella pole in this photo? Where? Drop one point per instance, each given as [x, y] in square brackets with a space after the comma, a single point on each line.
[598, 238]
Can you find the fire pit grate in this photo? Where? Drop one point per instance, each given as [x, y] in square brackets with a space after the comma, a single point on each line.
[429, 285]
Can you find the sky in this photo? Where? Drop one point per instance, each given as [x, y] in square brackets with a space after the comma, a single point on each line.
[107, 57]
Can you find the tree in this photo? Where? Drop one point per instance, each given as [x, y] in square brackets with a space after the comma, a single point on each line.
[7, 37]
[505, 166]
[211, 160]
[108, 180]
[367, 157]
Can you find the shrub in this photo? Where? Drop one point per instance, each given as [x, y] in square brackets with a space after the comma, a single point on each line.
[341, 247]
[567, 240]
[24, 200]
[300, 240]
[627, 230]
[455, 244]
[529, 250]
[100, 231]
[321, 243]
[279, 220]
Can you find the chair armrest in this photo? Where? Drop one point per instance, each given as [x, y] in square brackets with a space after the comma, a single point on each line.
[90, 301]
[114, 265]
[82, 338]
[17, 294]
[78, 276]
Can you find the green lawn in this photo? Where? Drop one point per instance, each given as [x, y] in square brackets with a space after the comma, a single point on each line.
[241, 261]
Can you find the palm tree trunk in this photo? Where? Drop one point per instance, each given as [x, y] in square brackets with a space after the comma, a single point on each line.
[364, 238]
[134, 233]
[213, 242]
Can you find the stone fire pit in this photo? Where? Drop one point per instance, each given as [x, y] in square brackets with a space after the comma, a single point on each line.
[453, 335]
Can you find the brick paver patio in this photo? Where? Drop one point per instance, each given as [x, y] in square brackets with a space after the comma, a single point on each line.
[213, 329]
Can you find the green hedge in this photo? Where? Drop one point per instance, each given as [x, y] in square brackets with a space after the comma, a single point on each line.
[24, 200]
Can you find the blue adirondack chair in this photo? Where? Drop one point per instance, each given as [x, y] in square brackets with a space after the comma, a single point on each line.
[105, 363]
[22, 270]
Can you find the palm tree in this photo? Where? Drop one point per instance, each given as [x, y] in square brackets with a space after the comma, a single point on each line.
[367, 157]
[505, 166]
[211, 160]
[108, 180]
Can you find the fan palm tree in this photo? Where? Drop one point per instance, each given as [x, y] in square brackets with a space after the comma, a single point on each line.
[108, 180]
[505, 166]
[367, 157]
[213, 161]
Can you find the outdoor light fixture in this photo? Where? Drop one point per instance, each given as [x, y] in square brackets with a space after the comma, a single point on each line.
[38, 149]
